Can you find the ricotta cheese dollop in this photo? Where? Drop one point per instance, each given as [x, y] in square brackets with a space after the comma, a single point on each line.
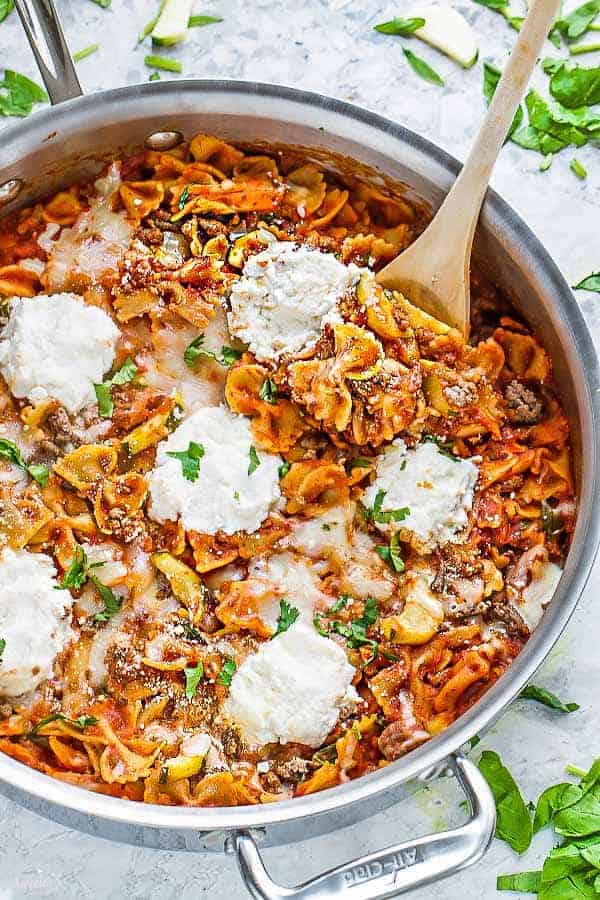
[291, 689]
[224, 496]
[57, 346]
[35, 620]
[286, 294]
[437, 490]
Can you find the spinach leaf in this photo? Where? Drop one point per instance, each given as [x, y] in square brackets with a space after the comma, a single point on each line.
[547, 698]
[422, 68]
[591, 283]
[513, 823]
[491, 77]
[527, 882]
[579, 20]
[6, 7]
[18, 94]
[575, 86]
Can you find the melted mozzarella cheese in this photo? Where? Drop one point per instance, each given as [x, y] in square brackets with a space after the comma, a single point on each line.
[285, 576]
[95, 244]
[57, 346]
[437, 490]
[284, 298]
[538, 593]
[291, 689]
[34, 620]
[224, 497]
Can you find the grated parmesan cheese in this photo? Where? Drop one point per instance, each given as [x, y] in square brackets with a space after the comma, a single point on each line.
[35, 620]
[286, 294]
[224, 497]
[57, 346]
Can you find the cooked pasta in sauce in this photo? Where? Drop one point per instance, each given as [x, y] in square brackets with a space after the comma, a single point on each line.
[265, 527]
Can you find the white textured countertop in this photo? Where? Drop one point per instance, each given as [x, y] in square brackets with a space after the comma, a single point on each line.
[330, 47]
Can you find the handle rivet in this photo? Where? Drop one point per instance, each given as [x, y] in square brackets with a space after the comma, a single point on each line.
[163, 140]
[11, 189]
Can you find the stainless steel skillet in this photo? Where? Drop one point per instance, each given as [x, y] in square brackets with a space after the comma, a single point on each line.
[71, 141]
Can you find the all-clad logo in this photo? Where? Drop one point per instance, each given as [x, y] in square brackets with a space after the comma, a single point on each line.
[389, 867]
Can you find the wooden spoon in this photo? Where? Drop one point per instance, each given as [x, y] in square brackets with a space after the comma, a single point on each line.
[434, 271]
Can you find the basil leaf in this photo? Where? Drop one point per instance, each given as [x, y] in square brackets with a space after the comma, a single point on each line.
[284, 468]
[227, 672]
[112, 604]
[193, 676]
[547, 698]
[254, 460]
[422, 68]
[491, 77]
[403, 27]
[200, 21]
[578, 169]
[513, 823]
[6, 7]
[287, 616]
[591, 283]
[268, 391]
[527, 882]
[189, 459]
[18, 94]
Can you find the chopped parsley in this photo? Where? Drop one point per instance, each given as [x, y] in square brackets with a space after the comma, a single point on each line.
[444, 447]
[112, 604]
[193, 676]
[80, 724]
[391, 553]
[254, 460]
[125, 374]
[268, 391]
[189, 459]
[355, 632]
[389, 515]
[340, 603]
[359, 462]
[552, 521]
[284, 468]
[196, 350]
[77, 574]
[183, 198]
[287, 616]
[10, 451]
[227, 672]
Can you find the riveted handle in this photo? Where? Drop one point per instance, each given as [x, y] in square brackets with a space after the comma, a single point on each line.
[394, 870]
[45, 35]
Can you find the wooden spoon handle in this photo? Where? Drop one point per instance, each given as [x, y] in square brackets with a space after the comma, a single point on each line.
[466, 195]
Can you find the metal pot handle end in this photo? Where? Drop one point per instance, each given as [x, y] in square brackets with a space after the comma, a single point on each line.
[394, 870]
[45, 35]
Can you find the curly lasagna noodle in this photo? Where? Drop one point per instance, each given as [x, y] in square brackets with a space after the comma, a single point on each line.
[265, 527]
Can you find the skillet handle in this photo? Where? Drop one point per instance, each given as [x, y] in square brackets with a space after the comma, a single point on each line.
[45, 35]
[394, 870]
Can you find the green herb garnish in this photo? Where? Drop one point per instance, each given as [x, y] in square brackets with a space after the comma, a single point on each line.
[124, 375]
[389, 515]
[268, 391]
[391, 553]
[287, 616]
[193, 677]
[229, 355]
[77, 574]
[547, 698]
[401, 26]
[10, 451]
[163, 63]
[227, 672]
[552, 521]
[196, 350]
[422, 68]
[80, 724]
[254, 460]
[189, 459]
[359, 462]
[444, 447]
[284, 468]
[112, 604]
